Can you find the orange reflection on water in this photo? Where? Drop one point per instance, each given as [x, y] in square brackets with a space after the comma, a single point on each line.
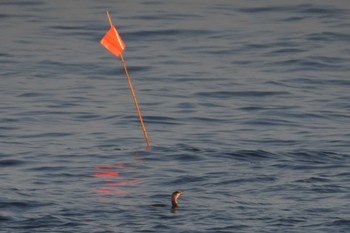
[103, 174]
[112, 181]
[109, 191]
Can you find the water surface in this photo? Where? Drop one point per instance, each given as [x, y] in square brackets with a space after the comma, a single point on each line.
[246, 104]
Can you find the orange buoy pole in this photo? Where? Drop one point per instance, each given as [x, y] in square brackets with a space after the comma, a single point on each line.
[135, 100]
[132, 90]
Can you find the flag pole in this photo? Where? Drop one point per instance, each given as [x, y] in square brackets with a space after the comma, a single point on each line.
[132, 90]
[135, 100]
[109, 19]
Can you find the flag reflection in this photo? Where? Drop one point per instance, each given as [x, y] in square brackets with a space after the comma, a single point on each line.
[112, 182]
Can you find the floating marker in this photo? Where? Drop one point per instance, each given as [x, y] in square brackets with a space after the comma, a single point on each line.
[114, 44]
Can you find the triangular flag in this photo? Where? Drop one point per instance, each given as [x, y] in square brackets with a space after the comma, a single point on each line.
[113, 42]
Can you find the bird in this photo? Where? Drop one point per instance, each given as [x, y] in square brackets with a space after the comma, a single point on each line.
[174, 196]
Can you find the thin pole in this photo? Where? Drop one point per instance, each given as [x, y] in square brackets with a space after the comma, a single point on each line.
[109, 19]
[135, 101]
[132, 90]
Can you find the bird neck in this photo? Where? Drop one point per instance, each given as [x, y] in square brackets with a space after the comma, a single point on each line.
[174, 203]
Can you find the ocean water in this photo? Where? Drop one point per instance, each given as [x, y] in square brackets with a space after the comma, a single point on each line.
[246, 104]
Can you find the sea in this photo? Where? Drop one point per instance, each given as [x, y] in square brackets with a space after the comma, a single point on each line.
[246, 104]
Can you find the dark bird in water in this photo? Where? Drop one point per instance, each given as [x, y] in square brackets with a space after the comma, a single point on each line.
[174, 198]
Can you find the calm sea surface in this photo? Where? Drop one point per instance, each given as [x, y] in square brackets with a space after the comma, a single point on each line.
[247, 106]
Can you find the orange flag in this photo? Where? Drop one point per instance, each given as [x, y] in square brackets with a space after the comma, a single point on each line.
[113, 42]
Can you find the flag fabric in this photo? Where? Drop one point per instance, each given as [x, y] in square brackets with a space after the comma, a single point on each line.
[113, 42]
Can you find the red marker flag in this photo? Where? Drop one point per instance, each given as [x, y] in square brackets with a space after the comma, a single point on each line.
[113, 42]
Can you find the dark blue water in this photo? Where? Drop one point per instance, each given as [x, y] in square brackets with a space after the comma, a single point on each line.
[246, 103]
